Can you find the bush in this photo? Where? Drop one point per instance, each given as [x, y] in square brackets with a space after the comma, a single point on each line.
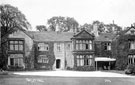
[69, 68]
[15, 68]
[85, 68]
[130, 69]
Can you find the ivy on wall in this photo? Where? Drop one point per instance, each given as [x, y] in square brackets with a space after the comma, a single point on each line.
[49, 54]
[122, 50]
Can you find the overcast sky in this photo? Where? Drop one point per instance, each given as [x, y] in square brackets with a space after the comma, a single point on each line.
[38, 12]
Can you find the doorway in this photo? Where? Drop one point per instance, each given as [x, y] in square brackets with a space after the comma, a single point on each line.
[58, 63]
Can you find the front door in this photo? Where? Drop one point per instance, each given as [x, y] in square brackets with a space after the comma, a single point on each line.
[58, 63]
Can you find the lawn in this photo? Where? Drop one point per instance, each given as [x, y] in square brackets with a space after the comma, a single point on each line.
[46, 80]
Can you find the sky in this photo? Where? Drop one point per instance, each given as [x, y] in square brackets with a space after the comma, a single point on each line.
[38, 12]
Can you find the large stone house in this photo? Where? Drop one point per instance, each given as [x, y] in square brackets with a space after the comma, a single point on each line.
[50, 50]
[68, 50]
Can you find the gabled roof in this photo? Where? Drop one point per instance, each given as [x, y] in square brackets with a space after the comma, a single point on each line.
[83, 35]
[105, 37]
[125, 31]
[50, 36]
[82, 32]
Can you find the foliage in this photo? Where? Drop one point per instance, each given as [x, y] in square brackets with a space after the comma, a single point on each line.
[11, 20]
[62, 24]
[130, 69]
[121, 63]
[41, 28]
[87, 27]
[107, 28]
[85, 68]
[122, 47]
[49, 54]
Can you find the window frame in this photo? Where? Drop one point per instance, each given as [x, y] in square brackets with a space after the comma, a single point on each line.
[59, 47]
[132, 44]
[131, 59]
[107, 46]
[43, 59]
[84, 60]
[83, 45]
[16, 61]
[16, 42]
[43, 46]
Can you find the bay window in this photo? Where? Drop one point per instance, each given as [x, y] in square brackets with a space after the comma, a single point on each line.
[15, 60]
[83, 45]
[131, 59]
[84, 60]
[16, 45]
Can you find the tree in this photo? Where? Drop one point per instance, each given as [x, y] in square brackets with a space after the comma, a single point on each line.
[107, 28]
[100, 26]
[41, 28]
[56, 23]
[11, 20]
[62, 24]
[112, 28]
[87, 27]
[71, 24]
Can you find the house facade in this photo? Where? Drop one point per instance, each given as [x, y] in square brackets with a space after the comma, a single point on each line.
[83, 51]
[50, 50]
[104, 49]
[67, 50]
[20, 51]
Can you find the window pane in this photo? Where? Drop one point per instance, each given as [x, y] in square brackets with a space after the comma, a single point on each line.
[77, 56]
[16, 42]
[11, 42]
[77, 41]
[90, 46]
[11, 47]
[16, 47]
[11, 61]
[20, 62]
[87, 41]
[16, 61]
[78, 63]
[83, 41]
[20, 47]
[81, 62]
[90, 62]
[77, 47]
[86, 46]
[20, 42]
[90, 41]
[81, 46]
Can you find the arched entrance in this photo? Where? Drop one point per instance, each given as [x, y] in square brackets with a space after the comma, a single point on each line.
[58, 61]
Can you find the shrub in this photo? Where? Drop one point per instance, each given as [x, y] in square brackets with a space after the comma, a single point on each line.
[15, 68]
[85, 68]
[69, 68]
[130, 69]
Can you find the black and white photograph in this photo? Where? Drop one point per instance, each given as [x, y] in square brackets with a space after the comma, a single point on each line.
[67, 42]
